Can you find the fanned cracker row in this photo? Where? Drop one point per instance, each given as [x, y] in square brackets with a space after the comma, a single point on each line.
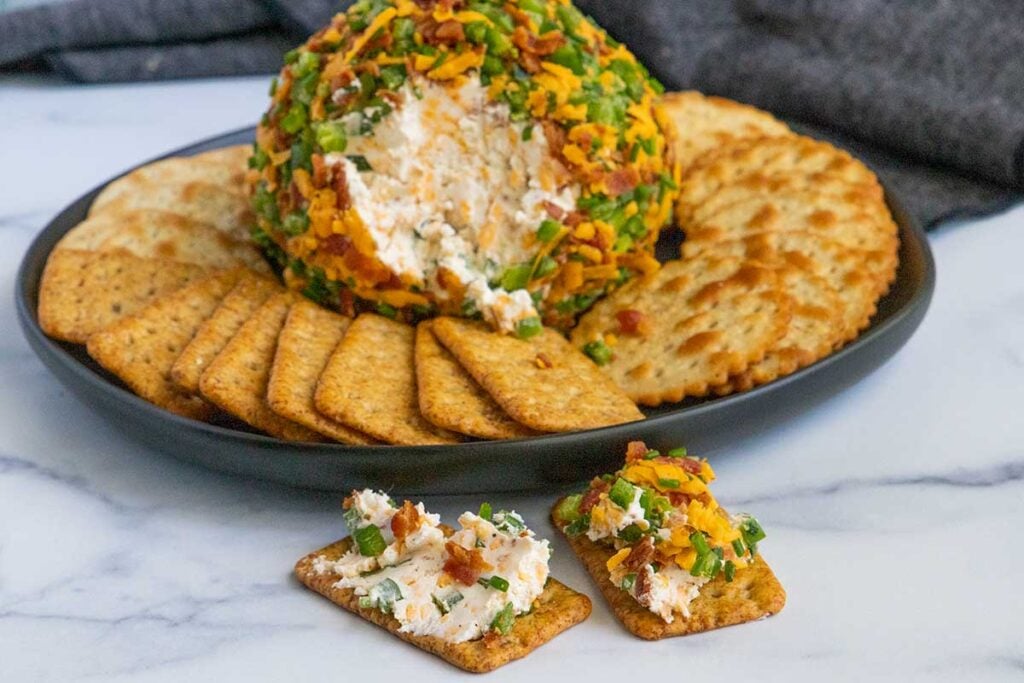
[558, 609]
[164, 235]
[814, 330]
[206, 202]
[310, 335]
[82, 292]
[689, 327]
[236, 380]
[238, 306]
[369, 384]
[754, 593]
[224, 167]
[543, 383]
[141, 348]
[451, 399]
[706, 123]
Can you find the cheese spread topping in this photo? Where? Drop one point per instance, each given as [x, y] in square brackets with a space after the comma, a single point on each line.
[457, 588]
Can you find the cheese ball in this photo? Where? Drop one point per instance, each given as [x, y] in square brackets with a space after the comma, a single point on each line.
[501, 160]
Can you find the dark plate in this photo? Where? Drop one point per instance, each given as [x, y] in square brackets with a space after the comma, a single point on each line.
[541, 462]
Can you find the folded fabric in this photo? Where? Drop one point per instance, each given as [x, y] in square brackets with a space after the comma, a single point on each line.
[931, 94]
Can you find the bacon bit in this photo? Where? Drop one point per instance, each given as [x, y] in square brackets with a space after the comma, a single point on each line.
[574, 219]
[492, 639]
[349, 502]
[464, 565]
[593, 494]
[319, 170]
[296, 194]
[530, 62]
[636, 450]
[633, 323]
[543, 362]
[344, 201]
[640, 556]
[621, 180]
[336, 245]
[347, 302]
[382, 41]
[450, 32]
[554, 210]
[406, 521]
[368, 67]
[556, 137]
[642, 588]
[679, 499]
[537, 45]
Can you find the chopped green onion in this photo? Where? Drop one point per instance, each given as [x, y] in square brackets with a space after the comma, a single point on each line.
[622, 493]
[385, 594]
[548, 230]
[545, 267]
[485, 511]
[752, 533]
[599, 352]
[295, 223]
[527, 133]
[360, 162]
[495, 582]
[631, 534]
[444, 605]
[730, 570]
[738, 547]
[365, 602]
[370, 541]
[529, 327]
[652, 454]
[677, 452]
[699, 543]
[628, 581]
[569, 509]
[295, 119]
[386, 310]
[516, 277]
[393, 76]
[579, 526]
[504, 620]
[508, 521]
[669, 483]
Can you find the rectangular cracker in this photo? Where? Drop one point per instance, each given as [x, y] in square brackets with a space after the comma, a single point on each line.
[241, 302]
[236, 380]
[310, 335]
[451, 399]
[558, 609]
[544, 383]
[754, 593]
[83, 292]
[141, 348]
[370, 384]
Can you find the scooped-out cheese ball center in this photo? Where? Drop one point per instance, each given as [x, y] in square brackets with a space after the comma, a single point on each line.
[501, 160]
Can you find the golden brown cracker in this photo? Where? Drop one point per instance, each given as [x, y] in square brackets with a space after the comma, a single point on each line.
[754, 593]
[225, 209]
[544, 383]
[451, 399]
[801, 160]
[163, 235]
[369, 384]
[556, 610]
[241, 302]
[236, 380]
[702, 321]
[706, 123]
[141, 348]
[813, 332]
[310, 335]
[224, 167]
[83, 292]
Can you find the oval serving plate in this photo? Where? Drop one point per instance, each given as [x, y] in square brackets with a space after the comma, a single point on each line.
[536, 463]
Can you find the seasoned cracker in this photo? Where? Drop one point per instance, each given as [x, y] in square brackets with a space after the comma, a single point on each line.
[223, 208]
[705, 123]
[754, 593]
[370, 384]
[163, 235]
[310, 335]
[556, 610]
[224, 167]
[236, 380]
[803, 161]
[451, 399]
[543, 383]
[248, 295]
[703, 320]
[141, 348]
[82, 292]
[814, 330]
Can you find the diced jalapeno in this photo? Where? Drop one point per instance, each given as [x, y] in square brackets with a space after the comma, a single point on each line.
[569, 509]
[622, 493]
[516, 277]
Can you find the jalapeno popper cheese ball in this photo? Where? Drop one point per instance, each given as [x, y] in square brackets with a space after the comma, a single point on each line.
[468, 157]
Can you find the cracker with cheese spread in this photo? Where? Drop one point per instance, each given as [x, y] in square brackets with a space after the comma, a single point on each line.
[479, 597]
[668, 559]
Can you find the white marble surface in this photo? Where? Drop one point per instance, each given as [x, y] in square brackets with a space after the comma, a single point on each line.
[894, 510]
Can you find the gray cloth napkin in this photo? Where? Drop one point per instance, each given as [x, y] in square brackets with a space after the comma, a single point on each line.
[929, 92]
